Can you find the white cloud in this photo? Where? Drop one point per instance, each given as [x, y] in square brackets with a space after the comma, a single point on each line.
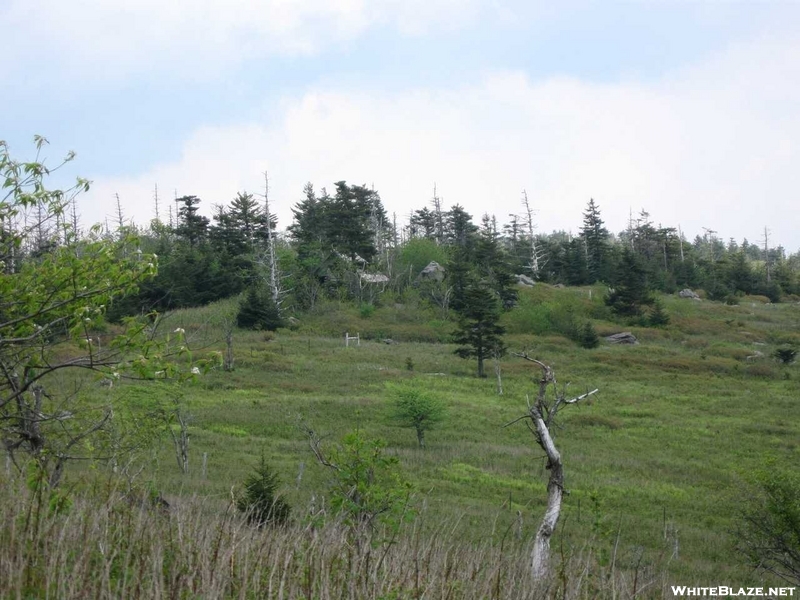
[714, 145]
[114, 40]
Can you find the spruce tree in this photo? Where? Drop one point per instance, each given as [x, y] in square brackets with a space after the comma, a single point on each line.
[595, 236]
[494, 265]
[423, 224]
[577, 272]
[479, 333]
[260, 500]
[248, 218]
[658, 316]
[588, 337]
[258, 311]
[631, 293]
[460, 230]
[193, 226]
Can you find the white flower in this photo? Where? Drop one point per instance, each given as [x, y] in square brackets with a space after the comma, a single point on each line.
[195, 371]
[180, 330]
[155, 255]
[115, 375]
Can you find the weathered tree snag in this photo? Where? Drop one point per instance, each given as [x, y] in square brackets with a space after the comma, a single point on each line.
[542, 413]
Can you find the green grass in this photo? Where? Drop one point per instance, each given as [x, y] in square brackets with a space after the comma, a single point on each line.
[667, 445]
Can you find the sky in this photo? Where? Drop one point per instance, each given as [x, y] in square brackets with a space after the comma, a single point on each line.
[688, 110]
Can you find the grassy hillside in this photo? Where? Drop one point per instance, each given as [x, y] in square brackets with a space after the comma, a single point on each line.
[662, 454]
[658, 463]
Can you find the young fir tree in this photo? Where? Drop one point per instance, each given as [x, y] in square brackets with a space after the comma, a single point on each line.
[577, 272]
[658, 317]
[494, 264]
[588, 337]
[193, 226]
[260, 501]
[479, 333]
[631, 293]
[258, 311]
[595, 238]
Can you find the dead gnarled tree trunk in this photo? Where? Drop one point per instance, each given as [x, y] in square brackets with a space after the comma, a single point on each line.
[542, 414]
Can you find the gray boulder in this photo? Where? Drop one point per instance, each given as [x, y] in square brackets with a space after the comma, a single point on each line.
[433, 272]
[524, 280]
[626, 337]
[687, 293]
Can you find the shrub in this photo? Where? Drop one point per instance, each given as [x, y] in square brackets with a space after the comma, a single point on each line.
[731, 299]
[786, 354]
[770, 533]
[260, 500]
[368, 486]
[258, 311]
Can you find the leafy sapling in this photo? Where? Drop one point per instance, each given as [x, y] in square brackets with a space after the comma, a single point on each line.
[415, 408]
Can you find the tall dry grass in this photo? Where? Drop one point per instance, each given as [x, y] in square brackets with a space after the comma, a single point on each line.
[106, 545]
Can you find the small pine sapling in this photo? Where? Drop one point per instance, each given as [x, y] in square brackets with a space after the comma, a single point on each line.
[260, 500]
[658, 317]
[588, 336]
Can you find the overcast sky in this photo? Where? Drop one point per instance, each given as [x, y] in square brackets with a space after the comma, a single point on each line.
[690, 110]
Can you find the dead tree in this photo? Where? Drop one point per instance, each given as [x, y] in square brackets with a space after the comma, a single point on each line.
[274, 273]
[542, 414]
[538, 258]
[180, 440]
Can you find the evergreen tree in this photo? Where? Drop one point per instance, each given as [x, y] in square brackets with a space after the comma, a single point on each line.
[595, 238]
[576, 270]
[494, 264]
[260, 500]
[258, 311]
[631, 293]
[423, 224]
[658, 316]
[588, 337]
[479, 333]
[739, 275]
[460, 230]
[193, 226]
[248, 218]
[349, 222]
[308, 228]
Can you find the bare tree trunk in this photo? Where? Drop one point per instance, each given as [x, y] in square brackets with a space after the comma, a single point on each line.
[274, 275]
[536, 254]
[540, 556]
[181, 440]
[499, 374]
[542, 413]
[227, 364]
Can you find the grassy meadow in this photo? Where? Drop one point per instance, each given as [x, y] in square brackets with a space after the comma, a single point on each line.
[660, 458]
[658, 463]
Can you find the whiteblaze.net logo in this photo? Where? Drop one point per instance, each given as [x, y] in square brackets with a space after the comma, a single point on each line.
[725, 591]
